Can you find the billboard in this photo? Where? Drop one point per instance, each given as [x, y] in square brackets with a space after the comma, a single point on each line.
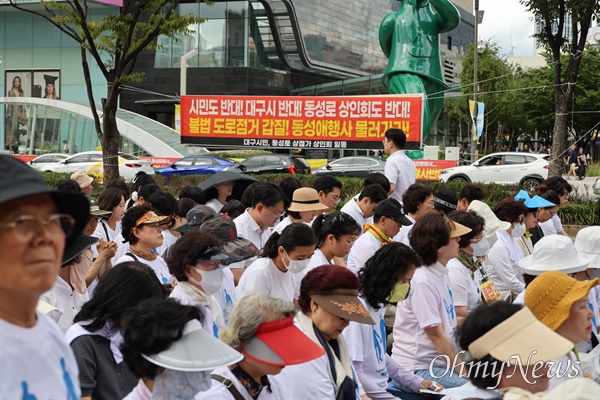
[336, 122]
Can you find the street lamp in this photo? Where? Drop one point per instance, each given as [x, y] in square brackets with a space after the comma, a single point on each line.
[478, 20]
[183, 82]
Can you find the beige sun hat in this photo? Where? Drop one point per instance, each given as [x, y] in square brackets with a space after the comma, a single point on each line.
[492, 223]
[521, 336]
[306, 199]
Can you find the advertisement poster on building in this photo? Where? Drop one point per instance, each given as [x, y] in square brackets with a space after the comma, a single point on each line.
[46, 84]
[307, 122]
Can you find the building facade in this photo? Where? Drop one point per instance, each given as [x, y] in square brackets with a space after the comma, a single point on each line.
[245, 47]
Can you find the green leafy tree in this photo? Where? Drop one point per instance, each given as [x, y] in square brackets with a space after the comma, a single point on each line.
[495, 79]
[114, 43]
[554, 13]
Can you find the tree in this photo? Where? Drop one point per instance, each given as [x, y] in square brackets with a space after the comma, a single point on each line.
[114, 43]
[553, 13]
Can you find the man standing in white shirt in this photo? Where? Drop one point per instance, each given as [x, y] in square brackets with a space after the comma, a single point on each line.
[399, 169]
[362, 209]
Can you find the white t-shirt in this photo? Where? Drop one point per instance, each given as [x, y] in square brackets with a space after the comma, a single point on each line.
[429, 303]
[400, 171]
[553, 226]
[352, 209]
[465, 290]
[227, 296]
[562, 369]
[104, 231]
[367, 344]
[248, 229]
[215, 205]
[218, 391]
[264, 277]
[317, 259]
[37, 362]
[363, 249]
[158, 265]
[504, 257]
[403, 234]
[67, 301]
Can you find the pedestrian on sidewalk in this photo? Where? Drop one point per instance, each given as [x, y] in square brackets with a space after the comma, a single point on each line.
[581, 163]
[571, 161]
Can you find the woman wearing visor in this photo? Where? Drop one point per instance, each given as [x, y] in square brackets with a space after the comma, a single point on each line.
[328, 302]
[196, 262]
[262, 329]
[165, 346]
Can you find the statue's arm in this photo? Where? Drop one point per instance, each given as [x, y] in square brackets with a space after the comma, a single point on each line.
[447, 15]
[386, 33]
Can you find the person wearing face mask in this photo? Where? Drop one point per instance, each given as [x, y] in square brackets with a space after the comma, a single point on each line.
[383, 280]
[465, 271]
[425, 324]
[336, 233]
[505, 255]
[534, 205]
[223, 227]
[195, 261]
[165, 346]
[388, 218]
[286, 253]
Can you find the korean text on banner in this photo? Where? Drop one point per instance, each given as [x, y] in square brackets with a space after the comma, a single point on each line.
[352, 122]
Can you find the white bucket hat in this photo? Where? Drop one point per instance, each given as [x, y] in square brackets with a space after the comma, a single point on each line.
[553, 253]
[492, 223]
[587, 243]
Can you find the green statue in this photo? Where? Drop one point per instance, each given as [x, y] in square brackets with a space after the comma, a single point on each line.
[410, 40]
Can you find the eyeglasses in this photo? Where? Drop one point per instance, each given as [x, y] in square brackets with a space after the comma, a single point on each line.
[26, 226]
[158, 227]
[94, 218]
[522, 220]
[335, 197]
[277, 213]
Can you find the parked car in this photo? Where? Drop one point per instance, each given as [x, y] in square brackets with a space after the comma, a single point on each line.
[525, 169]
[273, 163]
[357, 166]
[40, 162]
[196, 164]
[91, 163]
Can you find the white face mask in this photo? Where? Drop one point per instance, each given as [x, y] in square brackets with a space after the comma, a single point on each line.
[295, 266]
[480, 248]
[180, 385]
[518, 230]
[211, 282]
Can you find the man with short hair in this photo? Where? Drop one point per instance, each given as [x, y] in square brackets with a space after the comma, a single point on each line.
[388, 218]
[329, 189]
[418, 202]
[84, 181]
[362, 208]
[399, 169]
[468, 193]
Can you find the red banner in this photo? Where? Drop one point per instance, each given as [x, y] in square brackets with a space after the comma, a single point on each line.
[429, 170]
[337, 122]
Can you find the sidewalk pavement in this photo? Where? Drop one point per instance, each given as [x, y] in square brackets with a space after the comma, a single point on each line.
[583, 187]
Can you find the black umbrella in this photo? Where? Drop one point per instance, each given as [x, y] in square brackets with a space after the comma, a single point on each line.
[241, 182]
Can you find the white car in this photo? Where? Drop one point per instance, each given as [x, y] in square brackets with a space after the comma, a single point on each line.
[524, 169]
[42, 161]
[91, 163]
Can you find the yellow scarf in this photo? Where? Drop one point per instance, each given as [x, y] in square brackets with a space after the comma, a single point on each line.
[379, 235]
